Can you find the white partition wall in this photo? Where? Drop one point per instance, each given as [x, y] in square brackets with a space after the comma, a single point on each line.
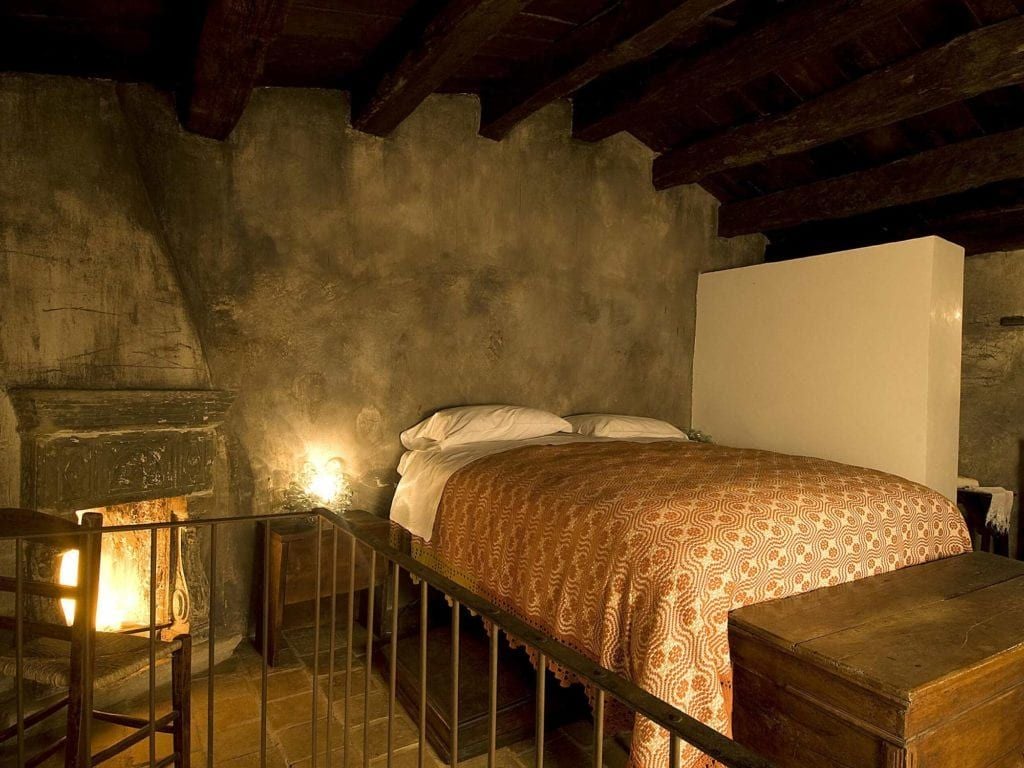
[852, 356]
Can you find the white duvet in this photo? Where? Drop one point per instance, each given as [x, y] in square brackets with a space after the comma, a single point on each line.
[425, 474]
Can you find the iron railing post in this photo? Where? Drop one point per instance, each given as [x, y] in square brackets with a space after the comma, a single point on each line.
[152, 646]
[456, 637]
[542, 663]
[422, 755]
[369, 657]
[265, 645]
[492, 699]
[393, 668]
[333, 642]
[599, 729]
[19, 646]
[314, 710]
[211, 654]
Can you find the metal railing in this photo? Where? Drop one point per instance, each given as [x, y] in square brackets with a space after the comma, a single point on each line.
[363, 530]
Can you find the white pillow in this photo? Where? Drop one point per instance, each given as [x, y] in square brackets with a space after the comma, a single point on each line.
[481, 423]
[622, 427]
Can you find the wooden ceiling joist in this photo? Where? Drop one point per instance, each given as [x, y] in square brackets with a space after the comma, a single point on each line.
[1000, 233]
[964, 218]
[944, 171]
[418, 58]
[229, 60]
[1004, 234]
[982, 61]
[803, 30]
[623, 34]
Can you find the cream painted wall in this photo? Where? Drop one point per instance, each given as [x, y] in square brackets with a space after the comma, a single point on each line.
[852, 356]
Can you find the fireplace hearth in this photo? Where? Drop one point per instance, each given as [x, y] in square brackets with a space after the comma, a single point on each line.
[125, 562]
[135, 456]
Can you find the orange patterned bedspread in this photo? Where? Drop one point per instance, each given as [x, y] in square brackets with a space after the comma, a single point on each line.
[634, 554]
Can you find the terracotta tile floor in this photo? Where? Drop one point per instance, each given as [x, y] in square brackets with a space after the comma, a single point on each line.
[289, 742]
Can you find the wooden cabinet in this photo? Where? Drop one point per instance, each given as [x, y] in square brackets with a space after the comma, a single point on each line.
[974, 506]
[921, 667]
[292, 576]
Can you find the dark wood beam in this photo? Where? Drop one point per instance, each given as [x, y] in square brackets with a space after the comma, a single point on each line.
[420, 56]
[1003, 235]
[992, 213]
[623, 34]
[229, 60]
[934, 173]
[1006, 234]
[982, 61]
[803, 30]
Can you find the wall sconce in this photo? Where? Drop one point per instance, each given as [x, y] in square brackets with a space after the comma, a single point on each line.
[319, 485]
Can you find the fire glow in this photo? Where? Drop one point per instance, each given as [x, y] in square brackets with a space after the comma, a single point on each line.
[124, 598]
[122, 601]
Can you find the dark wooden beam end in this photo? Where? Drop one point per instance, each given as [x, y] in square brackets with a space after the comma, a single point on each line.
[803, 30]
[990, 218]
[229, 60]
[937, 172]
[625, 33]
[418, 58]
[982, 61]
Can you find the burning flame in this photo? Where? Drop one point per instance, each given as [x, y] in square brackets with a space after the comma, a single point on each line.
[121, 602]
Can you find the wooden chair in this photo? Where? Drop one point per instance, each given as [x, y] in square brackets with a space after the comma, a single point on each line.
[80, 659]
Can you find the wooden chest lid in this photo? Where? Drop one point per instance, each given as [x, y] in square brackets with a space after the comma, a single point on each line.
[912, 636]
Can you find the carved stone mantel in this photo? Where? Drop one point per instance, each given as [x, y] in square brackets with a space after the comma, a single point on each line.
[144, 451]
[90, 448]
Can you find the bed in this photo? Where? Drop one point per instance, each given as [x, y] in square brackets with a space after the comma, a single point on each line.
[633, 552]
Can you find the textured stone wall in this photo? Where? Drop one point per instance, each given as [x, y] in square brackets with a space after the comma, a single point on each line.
[992, 390]
[347, 285]
[88, 296]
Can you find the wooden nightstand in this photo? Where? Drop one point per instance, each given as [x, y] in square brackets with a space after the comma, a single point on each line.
[292, 577]
[973, 506]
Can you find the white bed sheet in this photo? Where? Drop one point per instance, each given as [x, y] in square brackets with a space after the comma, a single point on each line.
[425, 474]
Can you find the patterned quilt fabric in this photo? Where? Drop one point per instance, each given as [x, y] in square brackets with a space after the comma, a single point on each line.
[635, 554]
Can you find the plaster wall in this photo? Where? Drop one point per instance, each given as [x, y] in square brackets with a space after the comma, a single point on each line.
[346, 285]
[992, 410]
[88, 295]
[851, 356]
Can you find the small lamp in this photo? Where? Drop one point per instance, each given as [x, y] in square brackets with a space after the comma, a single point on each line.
[319, 485]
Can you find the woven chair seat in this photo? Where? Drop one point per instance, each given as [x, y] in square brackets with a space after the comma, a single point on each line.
[118, 657]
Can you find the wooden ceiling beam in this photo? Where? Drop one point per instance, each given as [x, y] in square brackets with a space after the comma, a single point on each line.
[229, 60]
[991, 213]
[623, 34]
[944, 171]
[802, 30]
[420, 56]
[981, 61]
[1005, 233]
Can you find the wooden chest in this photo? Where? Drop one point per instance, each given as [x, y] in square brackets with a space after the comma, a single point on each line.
[922, 668]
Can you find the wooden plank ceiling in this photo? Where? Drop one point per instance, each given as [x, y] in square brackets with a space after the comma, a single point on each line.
[825, 124]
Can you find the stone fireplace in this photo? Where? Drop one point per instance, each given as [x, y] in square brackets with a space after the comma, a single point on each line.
[135, 456]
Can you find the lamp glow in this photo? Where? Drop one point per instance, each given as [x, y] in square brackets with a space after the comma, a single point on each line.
[319, 484]
[324, 486]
